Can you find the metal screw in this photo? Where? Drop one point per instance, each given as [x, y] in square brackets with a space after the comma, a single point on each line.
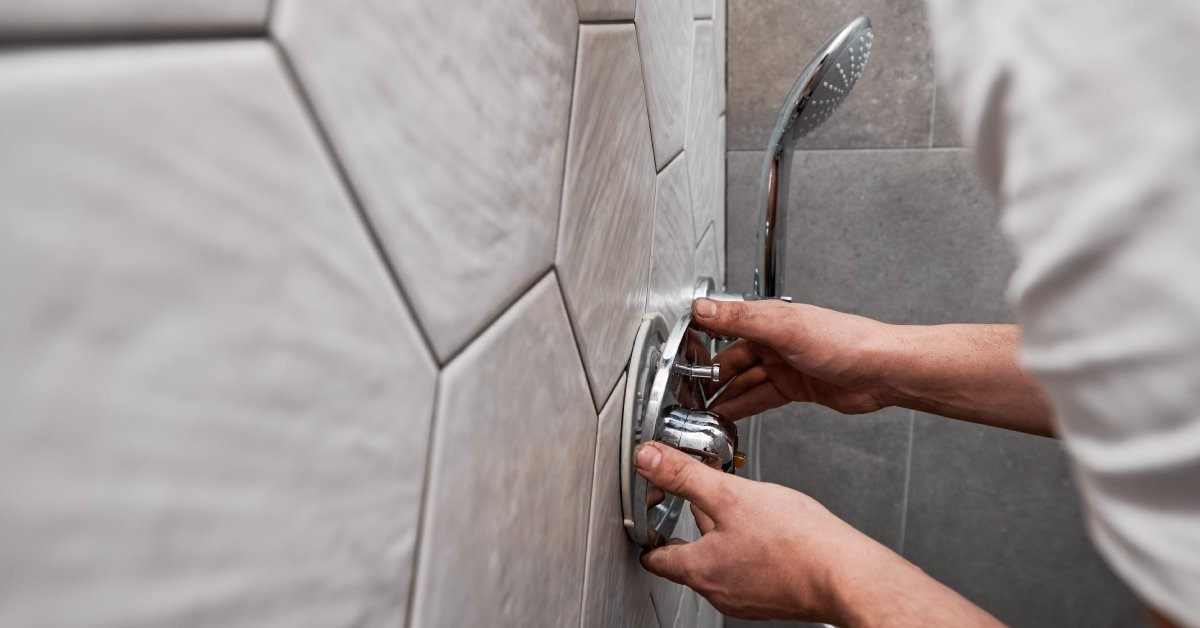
[698, 372]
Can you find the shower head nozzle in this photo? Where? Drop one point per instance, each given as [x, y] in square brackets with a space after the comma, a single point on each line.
[821, 86]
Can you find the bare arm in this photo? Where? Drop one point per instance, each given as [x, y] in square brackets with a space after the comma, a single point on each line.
[792, 352]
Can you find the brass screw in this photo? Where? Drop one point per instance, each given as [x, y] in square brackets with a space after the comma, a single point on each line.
[739, 460]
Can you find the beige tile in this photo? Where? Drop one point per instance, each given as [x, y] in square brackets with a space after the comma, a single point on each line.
[506, 514]
[605, 10]
[608, 198]
[615, 588]
[672, 274]
[455, 148]
[665, 33]
[703, 143]
[216, 409]
[33, 19]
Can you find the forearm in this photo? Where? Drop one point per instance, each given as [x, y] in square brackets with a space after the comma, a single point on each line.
[967, 372]
[880, 588]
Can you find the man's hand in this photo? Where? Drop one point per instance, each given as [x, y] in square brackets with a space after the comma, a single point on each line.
[767, 552]
[792, 352]
[796, 352]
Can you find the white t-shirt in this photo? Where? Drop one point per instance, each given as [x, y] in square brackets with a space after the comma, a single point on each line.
[1085, 116]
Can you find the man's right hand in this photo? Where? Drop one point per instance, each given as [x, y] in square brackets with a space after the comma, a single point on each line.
[792, 352]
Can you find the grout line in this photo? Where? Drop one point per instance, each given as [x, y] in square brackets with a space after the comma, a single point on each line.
[343, 176]
[624, 20]
[423, 509]
[637, 41]
[575, 337]
[501, 310]
[19, 42]
[912, 414]
[562, 188]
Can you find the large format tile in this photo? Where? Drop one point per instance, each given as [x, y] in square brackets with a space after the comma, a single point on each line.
[608, 203]
[215, 406]
[720, 39]
[605, 10]
[614, 592]
[455, 150]
[994, 515]
[672, 271]
[507, 497]
[854, 465]
[945, 123]
[689, 608]
[665, 34]
[703, 143]
[771, 40]
[33, 19]
[721, 214]
[702, 8]
[707, 259]
[915, 242]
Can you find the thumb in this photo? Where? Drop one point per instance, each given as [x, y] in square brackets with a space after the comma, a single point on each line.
[680, 474]
[671, 561]
[764, 322]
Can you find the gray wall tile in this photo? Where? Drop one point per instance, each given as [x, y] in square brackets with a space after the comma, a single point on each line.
[771, 40]
[607, 223]
[215, 408]
[34, 19]
[463, 190]
[496, 523]
[703, 144]
[945, 124]
[665, 34]
[914, 241]
[605, 10]
[854, 465]
[994, 515]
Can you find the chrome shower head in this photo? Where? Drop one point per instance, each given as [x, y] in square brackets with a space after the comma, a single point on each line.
[818, 91]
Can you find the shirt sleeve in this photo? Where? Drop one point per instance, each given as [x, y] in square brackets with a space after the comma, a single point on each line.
[1085, 118]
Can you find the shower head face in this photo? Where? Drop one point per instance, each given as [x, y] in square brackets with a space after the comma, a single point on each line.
[826, 81]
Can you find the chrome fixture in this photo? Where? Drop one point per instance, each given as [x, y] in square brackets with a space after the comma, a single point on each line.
[671, 376]
[820, 87]
[667, 392]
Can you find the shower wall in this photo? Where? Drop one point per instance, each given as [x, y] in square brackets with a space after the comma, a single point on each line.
[316, 313]
[888, 221]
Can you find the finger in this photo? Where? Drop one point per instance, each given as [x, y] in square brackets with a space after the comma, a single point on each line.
[654, 496]
[744, 383]
[756, 401]
[671, 561]
[766, 322]
[703, 521]
[680, 474]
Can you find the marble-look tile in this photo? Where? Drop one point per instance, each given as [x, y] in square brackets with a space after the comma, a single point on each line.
[507, 497]
[721, 215]
[608, 203]
[707, 260]
[706, 615]
[455, 150]
[689, 607]
[665, 33]
[770, 41]
[720, 39]
[34, 19]
[216, 409]
[672, 271]
[615, 592]
[995, 516]
[605, 10]
[703, 145]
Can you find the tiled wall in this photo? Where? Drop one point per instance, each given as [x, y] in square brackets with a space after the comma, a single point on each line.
[316, 313]
[889, 222]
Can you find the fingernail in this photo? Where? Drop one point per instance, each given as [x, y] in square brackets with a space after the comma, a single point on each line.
[706, 308]
[647, 457]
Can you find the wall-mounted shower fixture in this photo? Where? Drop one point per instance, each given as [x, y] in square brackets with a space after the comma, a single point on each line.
[671, 378]
[671, 375]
